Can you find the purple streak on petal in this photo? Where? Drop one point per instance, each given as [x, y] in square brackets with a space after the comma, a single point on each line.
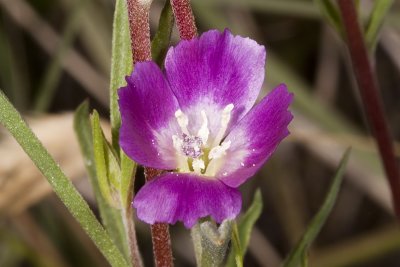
[216, 69]
[186, 197]
[147, 107]
[256, 137]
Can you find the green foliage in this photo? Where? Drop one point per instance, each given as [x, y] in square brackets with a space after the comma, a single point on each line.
[238, 251]
[121, 64]
[331, 13]
[111, 217]
[128, 171]
[107, 166]
[242, 231]
[298, 254]
[379, 12]
[61, 185]
[162, 38]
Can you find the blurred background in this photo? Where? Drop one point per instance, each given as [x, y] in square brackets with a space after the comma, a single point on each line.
[54, 54]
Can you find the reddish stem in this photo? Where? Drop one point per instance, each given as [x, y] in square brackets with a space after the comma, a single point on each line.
[372, 103]
[139, 27]
[184, 19]
[160, 233]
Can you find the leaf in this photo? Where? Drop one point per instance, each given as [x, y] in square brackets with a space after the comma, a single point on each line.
[61, 185]
[245, 225]
[297, 255]
[84, 133]
[121, 65]
[162, 38]
[331, 13]
[107, 166]
[238, 252]
[128, 171]
[375, 21]
[110, 216]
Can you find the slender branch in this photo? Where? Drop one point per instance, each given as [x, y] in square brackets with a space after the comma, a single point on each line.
[369, 92]
[160, 233]
[184, 19]
[138, 13]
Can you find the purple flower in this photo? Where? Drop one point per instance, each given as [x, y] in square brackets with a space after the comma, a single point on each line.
[197, 121]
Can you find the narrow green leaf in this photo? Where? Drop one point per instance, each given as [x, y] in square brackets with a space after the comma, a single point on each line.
[162, 38]
[196, 240]
[245, 225]
[128, 171]
[84, 133]
[110, 216]
[331, 13]
[107, 168]
[375, 21]
[296, 256]
[238, 252]
[121, 64]
[61, 185]
[304, 259]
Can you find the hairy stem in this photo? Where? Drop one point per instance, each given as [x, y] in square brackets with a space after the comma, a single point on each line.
[139, 28]
[138, 14]
[184, 19]
[369, 92]
[160, 233]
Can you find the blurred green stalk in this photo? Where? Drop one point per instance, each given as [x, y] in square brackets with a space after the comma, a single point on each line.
[52, 75]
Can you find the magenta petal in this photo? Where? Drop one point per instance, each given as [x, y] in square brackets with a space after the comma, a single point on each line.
[256, 137]
[147, 107]
[215, 70]
[185, 197]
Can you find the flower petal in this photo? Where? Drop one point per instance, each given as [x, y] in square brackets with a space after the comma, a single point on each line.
[185, 197]
[147, 107]
[215, 70]
[256, 137]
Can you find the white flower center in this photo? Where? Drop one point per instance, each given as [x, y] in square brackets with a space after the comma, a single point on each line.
[194, 152]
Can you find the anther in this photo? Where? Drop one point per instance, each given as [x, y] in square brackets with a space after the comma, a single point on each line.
[225, 118]
[183, 121]
[204, 131]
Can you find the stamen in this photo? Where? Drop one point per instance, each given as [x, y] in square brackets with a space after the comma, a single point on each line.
[204, 131]
[183, 121]
[198, 165]
[225, 118]
[216, 158]
[219, 151]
